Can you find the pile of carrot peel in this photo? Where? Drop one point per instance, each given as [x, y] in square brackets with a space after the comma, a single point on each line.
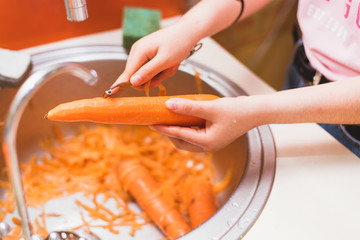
[88, 161]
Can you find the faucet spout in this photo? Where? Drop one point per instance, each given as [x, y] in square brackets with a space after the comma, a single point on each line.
[76, 10]
[22, 98]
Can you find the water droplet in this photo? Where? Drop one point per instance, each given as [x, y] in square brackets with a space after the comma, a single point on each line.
[4, 228]
[199, 166]
[243, 223]
[231, 221]
[54, 236]
[64, 235]
[36, 237]
[190, 163]
[235, 204]
[253, 164]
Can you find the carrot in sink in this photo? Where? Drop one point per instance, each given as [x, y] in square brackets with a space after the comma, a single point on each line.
[202, 201]
[147, 192]
[127, 110]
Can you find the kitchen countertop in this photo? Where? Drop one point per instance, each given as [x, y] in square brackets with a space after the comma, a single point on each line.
[316, 190]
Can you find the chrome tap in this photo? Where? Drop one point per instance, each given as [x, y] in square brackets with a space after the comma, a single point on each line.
[76, 10]
[22, 98]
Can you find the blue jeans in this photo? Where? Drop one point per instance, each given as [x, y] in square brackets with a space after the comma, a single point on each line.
[348, 135]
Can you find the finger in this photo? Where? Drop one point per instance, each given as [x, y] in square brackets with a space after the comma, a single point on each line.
[133, 63]
[183, 145]
[164, 75]
[201, 109]
[148, 71]
[155, 81]
[193, 136]
[124, 77]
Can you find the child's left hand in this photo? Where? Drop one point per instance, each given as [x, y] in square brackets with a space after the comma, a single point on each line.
[226, 120]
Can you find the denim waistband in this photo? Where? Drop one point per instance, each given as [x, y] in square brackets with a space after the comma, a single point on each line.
[309, 74]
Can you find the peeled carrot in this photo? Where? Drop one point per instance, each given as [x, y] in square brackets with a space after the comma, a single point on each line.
[202, 201]
[147, 192]
[126, 110]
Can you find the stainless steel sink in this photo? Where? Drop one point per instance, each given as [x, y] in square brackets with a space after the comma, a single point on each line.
[251, 157]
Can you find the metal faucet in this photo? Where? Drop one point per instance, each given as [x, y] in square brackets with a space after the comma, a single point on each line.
[22, 98]
[76, 10]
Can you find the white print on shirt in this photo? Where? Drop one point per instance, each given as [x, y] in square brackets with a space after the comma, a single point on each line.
[327, 21]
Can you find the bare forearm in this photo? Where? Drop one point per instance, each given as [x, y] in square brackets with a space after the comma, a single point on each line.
[209, 17]
[337, 103]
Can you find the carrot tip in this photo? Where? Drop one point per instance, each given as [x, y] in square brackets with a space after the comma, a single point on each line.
[46, 116]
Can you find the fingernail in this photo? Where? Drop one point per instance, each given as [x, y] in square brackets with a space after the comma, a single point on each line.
[135, 79]
[171, 104]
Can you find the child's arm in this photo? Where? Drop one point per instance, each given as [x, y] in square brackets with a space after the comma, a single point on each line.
[158, 55]
[229, 118]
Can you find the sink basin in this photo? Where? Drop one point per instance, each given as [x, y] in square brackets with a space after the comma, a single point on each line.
[251, 157]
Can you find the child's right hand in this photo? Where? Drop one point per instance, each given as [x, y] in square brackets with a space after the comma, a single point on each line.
[156, 57]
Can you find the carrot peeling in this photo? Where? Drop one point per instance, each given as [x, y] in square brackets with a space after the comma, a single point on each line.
[89, 162]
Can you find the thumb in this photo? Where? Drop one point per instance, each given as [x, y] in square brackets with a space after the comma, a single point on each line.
[201, 109]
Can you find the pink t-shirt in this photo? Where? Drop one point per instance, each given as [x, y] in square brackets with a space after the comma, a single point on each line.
[331, 36]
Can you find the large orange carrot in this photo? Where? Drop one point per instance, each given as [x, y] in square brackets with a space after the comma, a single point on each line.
[146, 191]
[126, 110]
[202, 203]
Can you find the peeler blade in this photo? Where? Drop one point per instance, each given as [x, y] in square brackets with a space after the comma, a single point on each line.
[118, 88]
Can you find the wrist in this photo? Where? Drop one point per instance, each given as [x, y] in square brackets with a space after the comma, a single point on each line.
[255, 109]
[183, 30]
[208, 18]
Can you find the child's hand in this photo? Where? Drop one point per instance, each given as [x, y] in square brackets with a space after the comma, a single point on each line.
[226, 120]
[156, 57]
